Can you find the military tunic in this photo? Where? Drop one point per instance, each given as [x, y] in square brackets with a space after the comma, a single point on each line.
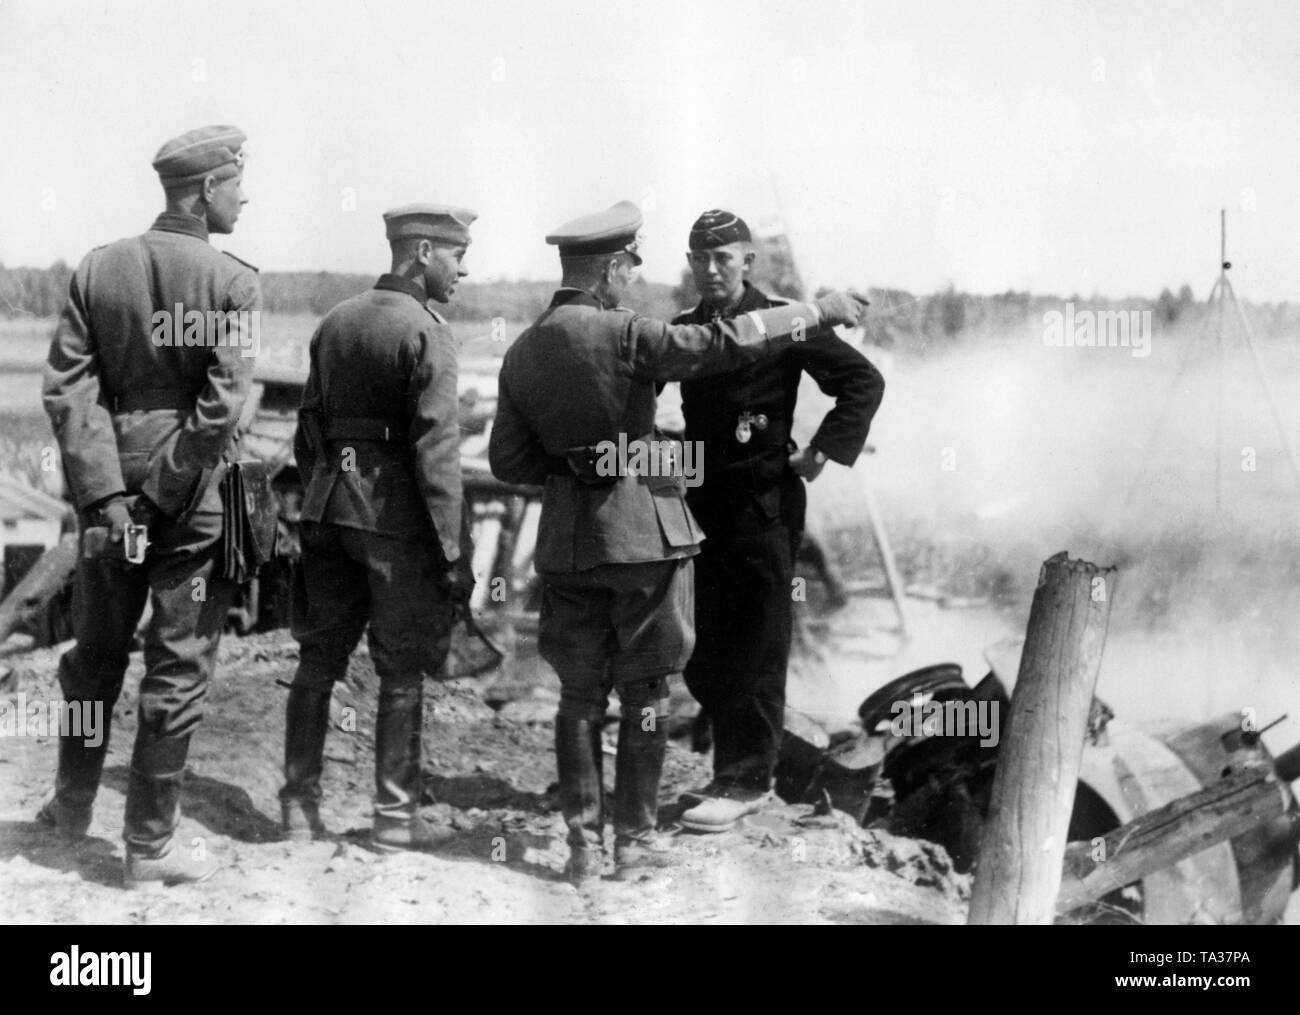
[751, 507]
[138, 413]
[615, 558]
[378, 442]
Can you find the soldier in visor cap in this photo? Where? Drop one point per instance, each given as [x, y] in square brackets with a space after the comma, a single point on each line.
[385, 540]
[144, 430]
[751, 505]
[614, 548]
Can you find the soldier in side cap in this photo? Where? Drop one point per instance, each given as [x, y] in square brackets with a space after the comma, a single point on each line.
[751, 505]
[144, 426]
[614, 546]
[384, 536]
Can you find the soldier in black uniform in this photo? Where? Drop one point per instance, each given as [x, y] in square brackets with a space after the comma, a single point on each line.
[145, 410]
[615, 541]
[751, 507]
[384, 536]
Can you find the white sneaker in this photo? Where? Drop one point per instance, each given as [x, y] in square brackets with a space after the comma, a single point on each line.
[720, 813]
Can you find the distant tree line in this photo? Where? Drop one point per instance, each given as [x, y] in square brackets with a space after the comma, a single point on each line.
[897, 318]
[42, 292]
[34, 292]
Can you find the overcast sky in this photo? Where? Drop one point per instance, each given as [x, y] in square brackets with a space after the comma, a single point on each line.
[1057, 147]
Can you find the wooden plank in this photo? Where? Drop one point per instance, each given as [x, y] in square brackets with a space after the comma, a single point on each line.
[1169, 834]
[39, 585]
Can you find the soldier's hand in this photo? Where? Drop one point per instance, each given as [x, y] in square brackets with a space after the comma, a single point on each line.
[807, 463]
[458, 585]
[838, 308]
[115, 516]
[146, 512]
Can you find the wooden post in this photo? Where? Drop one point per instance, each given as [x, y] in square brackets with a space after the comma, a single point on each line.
[1169, 834]
[39, 585]
[1019, 869]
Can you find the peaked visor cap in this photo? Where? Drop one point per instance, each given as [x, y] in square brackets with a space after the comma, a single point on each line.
[614, 230]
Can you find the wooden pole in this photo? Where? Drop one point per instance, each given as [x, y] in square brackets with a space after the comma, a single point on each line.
[892, 577]
[39, 585]
[1019, 869]
[1218, 354]
[1169, 834]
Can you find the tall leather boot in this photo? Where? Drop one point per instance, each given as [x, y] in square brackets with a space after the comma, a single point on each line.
[398, 777]
[69, 809]
[578, 757]
[153, 810]
[637, 845]
[306, 724]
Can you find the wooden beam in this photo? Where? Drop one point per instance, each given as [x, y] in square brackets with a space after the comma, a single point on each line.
[1170, 834]
[1023, 847]
[39, 585]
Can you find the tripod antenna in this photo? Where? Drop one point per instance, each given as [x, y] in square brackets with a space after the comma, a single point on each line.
[1220, 296]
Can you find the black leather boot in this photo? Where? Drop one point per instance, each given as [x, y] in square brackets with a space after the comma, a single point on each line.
[578, 756]
[306, 724]
[399, 781]
[153, 810]
[69, 809]
[637, 845]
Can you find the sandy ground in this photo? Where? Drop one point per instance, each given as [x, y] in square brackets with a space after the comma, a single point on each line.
[489, 773]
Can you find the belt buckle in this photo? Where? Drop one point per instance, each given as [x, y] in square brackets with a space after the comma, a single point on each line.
[135, 540]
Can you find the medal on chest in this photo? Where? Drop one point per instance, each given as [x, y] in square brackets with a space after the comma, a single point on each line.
[747, 423]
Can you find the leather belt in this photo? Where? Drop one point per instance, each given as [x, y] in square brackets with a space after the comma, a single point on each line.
[581, 462]
[149, 399]
[361, 428]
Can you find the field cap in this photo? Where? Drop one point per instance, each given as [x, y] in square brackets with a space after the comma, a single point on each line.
[717, 228]
[207, 151]
[439, 222]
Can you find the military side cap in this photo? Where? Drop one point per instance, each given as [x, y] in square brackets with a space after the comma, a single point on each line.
[435, 221]
[716, 229]
[208, 151]
[606, 232]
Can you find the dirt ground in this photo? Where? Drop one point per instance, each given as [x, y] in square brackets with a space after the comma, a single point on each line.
[489, 772]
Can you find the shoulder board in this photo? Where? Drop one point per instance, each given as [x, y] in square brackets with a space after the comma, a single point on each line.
[252, 267]
[435, 315]
[622, 310]
[779, 301]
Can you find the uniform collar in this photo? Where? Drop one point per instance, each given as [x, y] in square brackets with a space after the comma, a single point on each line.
[397, 284]
[187, 225]
[568, 295]
[752, 298]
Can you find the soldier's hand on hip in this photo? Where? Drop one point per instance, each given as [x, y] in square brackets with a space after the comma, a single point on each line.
[808, 463]
[838, 308]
